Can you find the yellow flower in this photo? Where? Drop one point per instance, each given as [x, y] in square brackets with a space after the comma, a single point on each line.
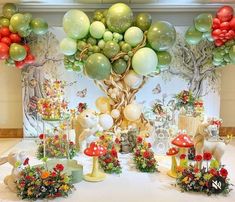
[207, 176]
[45, 175]
[65, 187]
[202, 183]
[186, 180]
[29, 192]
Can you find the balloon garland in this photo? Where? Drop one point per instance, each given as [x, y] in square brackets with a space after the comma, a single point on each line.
[220, 30]
[119, 52]
[15, 27]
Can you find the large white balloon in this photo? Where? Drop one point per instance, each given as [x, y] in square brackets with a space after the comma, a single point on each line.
[144, 61]
[133, 36]
[106, 121]
[132, 112]
[133, 80]
[68, 46]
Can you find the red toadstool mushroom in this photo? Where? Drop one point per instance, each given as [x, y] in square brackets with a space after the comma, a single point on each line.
[95, 150]
[172, 152]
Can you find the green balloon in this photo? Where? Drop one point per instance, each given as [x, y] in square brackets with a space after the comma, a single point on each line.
[144, 61]
[119, 17]
[111, 49]
[18, 22]
[232, 53]
[144, 21]
[4, 22]
[68, 46]
[164, 59]
[76, 24]
[39, 26]
[9, 9]
[26, 32]
[97, 29]
[119, 66]
[17, 52]
[133, 36]
[193, 36]
[126, 47]
[161, 35]
[203, 22]
[12, 29]
[97, 66]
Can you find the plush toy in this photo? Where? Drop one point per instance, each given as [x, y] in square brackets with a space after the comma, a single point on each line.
[202, 142]
[89, 121]
[13, 159]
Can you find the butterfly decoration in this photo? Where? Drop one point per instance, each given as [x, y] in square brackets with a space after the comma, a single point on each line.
[82, 93]
[157, 89]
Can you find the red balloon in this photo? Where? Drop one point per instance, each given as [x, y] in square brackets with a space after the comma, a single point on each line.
[225, 26]
[216, 23]
[27, 48]
[231, 34]
[29, 59]
[4, 31]
[225, 13]
[15, 38]
[4, 51]
[20, 64]
[215, 34]
[6, 40]
[219, 42]
[232, 23]
[0, 36]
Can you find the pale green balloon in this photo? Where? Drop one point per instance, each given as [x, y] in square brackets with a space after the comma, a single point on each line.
[164, 59]
[119, 66]
[97, 29]
[144, 21]
[193, 36]
[119, 17]
[161, 35]
[76, 24]
[17, 52]
[39, 26]
[203, 22]
[68, 46]
[133, 36]
[98, 67]
[9, 9]
[28, 17]
[108, 36]
[18, 22]
[144, 61]
[111, 48]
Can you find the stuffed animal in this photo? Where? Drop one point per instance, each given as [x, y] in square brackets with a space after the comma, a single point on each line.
[13, 159]
[202, 142]
[89, 121]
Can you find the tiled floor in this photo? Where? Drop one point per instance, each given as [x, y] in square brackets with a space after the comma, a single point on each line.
[8, 143]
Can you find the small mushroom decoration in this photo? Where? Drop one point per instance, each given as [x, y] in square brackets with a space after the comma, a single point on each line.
[95, 150]
[172, 152]
[183, 141]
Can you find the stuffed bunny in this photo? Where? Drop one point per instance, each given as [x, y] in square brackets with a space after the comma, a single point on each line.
[13, 159]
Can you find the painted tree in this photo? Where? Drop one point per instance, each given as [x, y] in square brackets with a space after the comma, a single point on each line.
[194, 64]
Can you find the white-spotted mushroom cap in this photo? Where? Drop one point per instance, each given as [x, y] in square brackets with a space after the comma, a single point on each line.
[183, 140]
[172, 151]
[95, 150]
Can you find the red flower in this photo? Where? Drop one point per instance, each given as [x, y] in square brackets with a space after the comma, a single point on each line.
[26, 162]
[137, 152]
[117, 141]
[102, 137]
[53, 174]
[42, 136]
[58, 194]
[108, 160]
[28, 177]
[149, 145]
[114, 153]
[198, 157]
[213, 172]
[182, 156]
[146, 154]
[139, 139]
[223, 172]
[196, 170]
[71, 143]
[207, 156]
[59, 167]
[56, 137]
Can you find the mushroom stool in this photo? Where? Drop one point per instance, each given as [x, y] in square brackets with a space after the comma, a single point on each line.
[172, 152]
[95, 150]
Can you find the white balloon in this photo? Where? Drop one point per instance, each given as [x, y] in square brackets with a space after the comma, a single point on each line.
[133, 36]
[106, 121]
[132, 112]
[115, 113]
[133, 80]
[97, 29]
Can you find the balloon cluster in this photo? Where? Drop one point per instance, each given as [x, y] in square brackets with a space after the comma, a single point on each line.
[115, 42]
[14, 28]
[223, 28]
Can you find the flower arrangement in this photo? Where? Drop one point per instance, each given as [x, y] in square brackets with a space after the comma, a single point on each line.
[144, 156]
[39, 183]
[211, 179]
[109, 162]
[81, 107]
[56, 146]
[53, 106]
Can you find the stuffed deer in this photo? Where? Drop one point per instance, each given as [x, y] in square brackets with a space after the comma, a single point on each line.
[13, 159]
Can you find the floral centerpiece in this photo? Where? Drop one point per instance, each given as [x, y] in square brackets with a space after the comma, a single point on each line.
[53, 106]
[144, 156]
[56, 146]
[109, 162]
[210, 179]
[39, 183]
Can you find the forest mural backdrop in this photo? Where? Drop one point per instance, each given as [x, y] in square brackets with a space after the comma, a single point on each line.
[191, 68]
